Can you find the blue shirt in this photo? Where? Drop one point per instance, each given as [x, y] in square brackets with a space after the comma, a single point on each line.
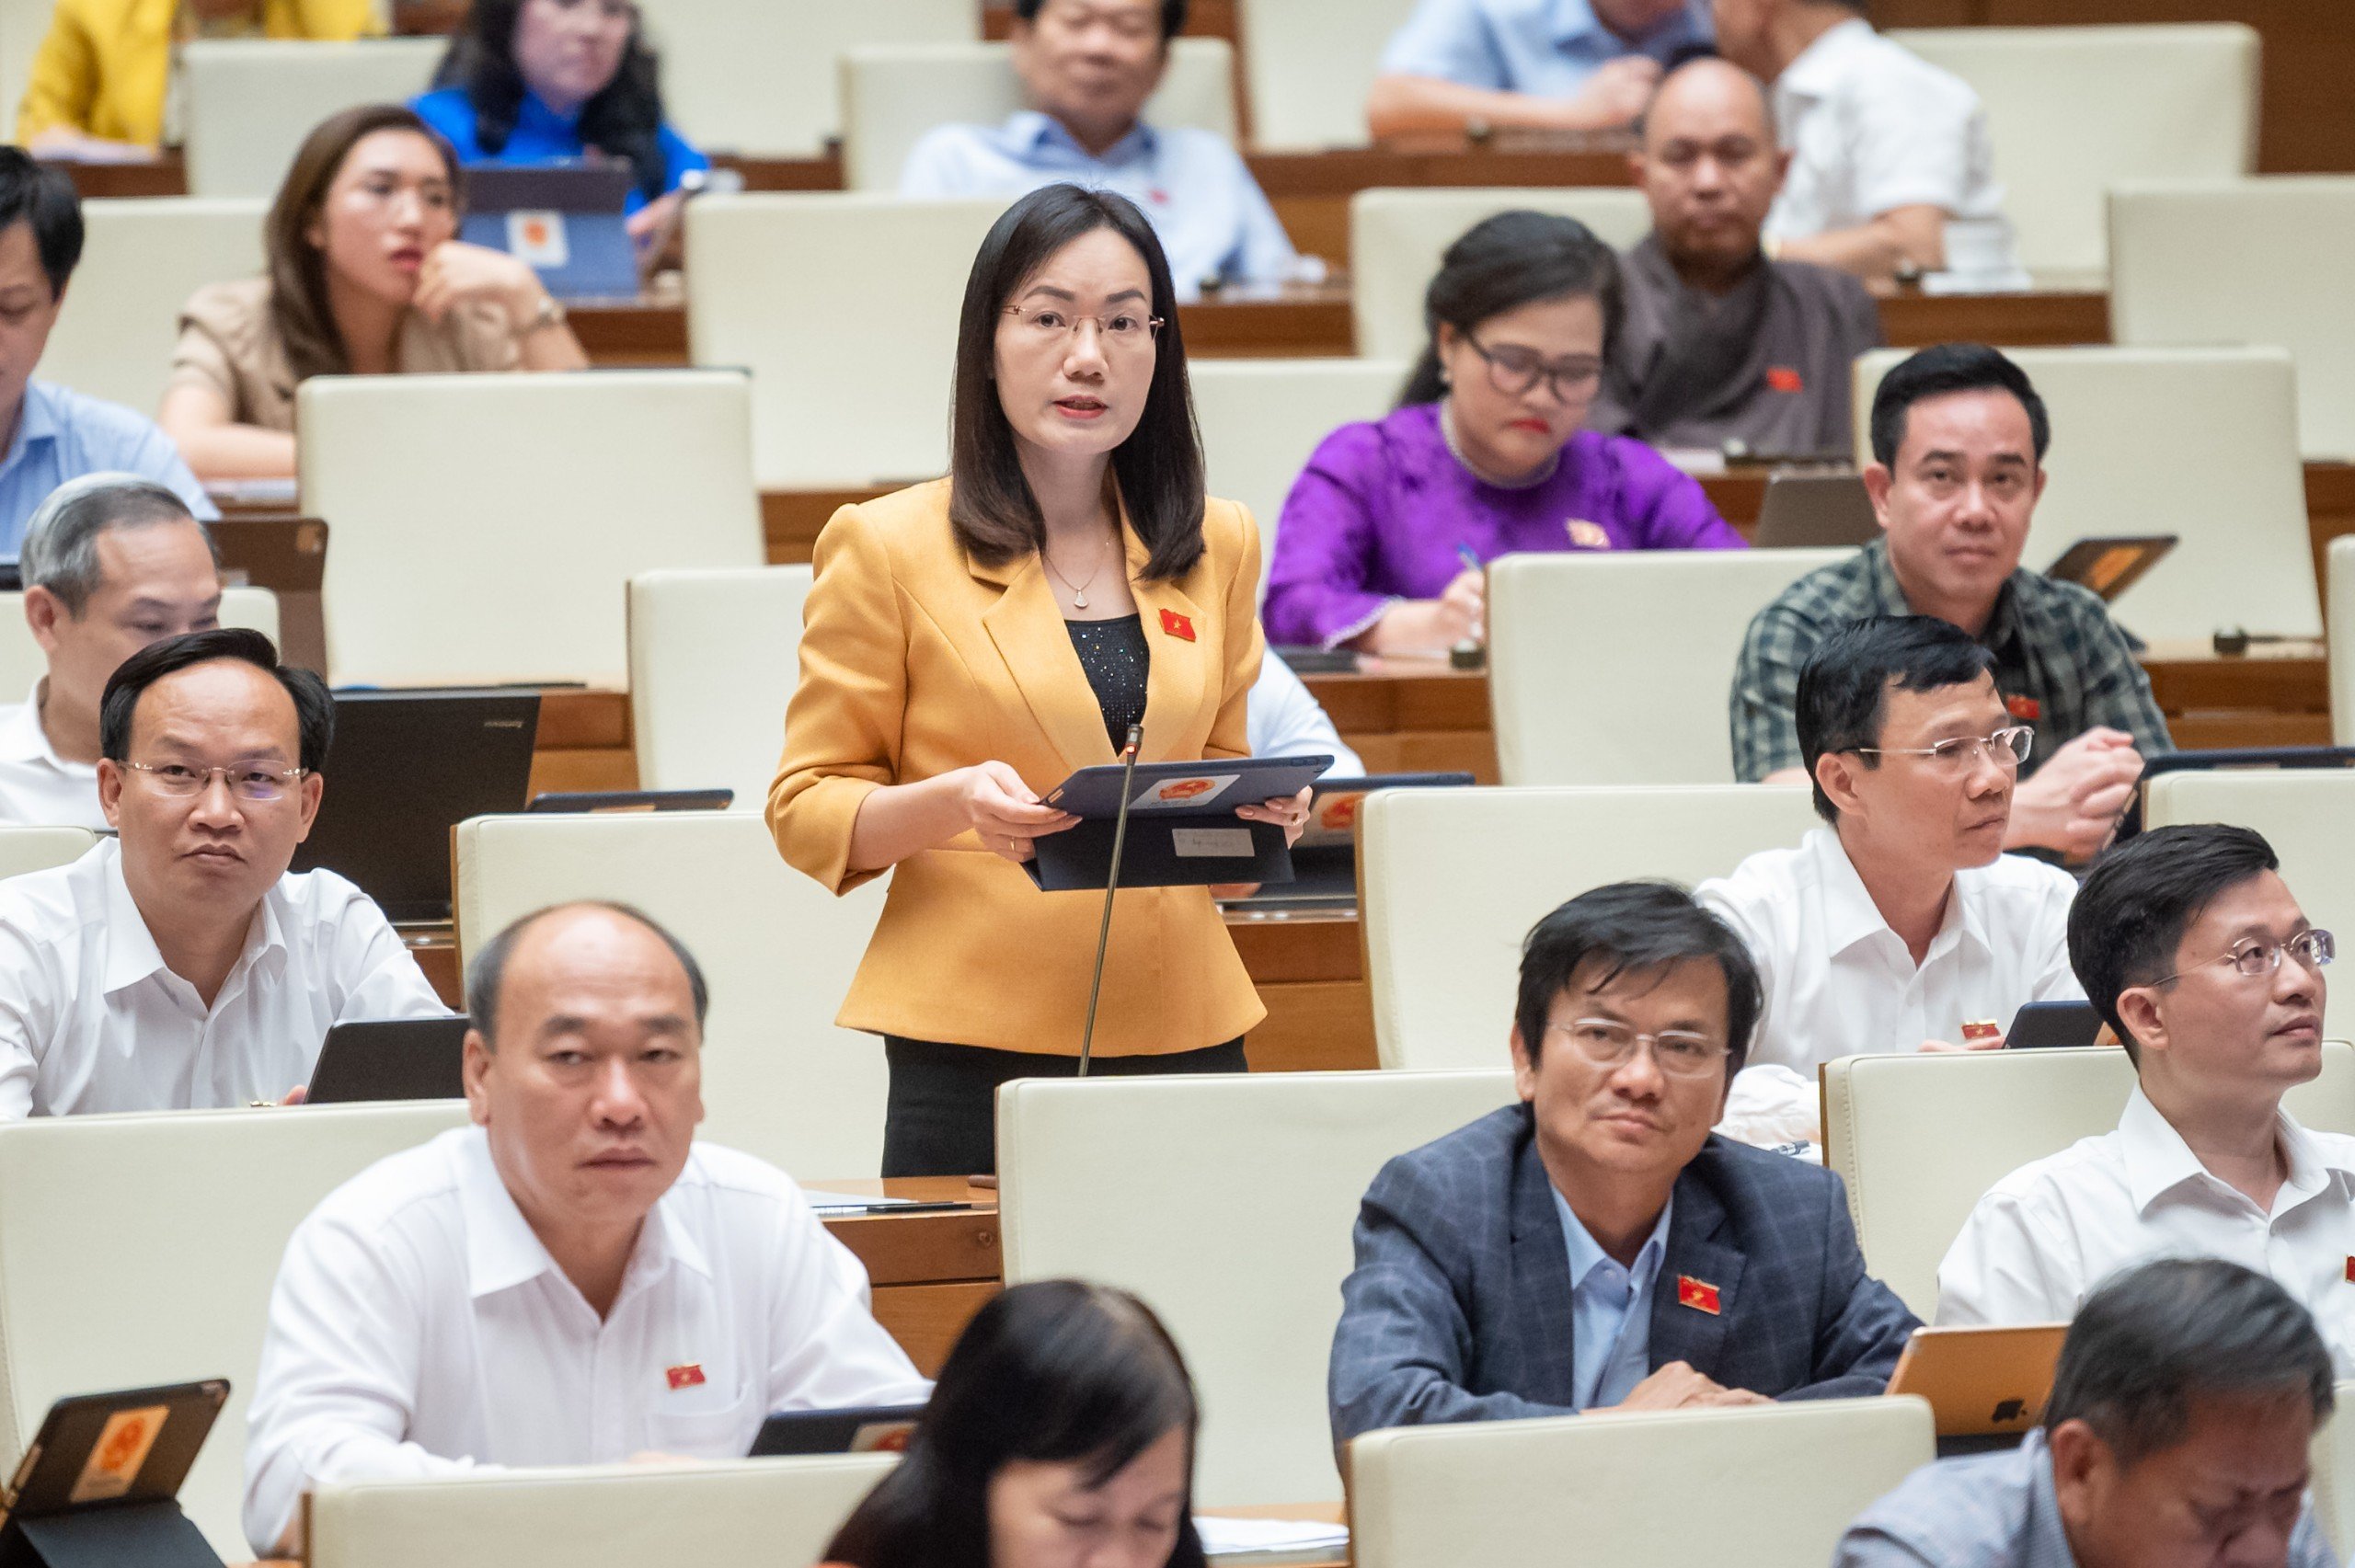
[1611, 1311]
[1213, 218]
[541, 136]
[1545, 47]
[62, 435]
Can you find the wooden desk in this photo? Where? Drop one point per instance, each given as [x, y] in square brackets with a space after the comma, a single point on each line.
[930, 1272]
[1311, 191]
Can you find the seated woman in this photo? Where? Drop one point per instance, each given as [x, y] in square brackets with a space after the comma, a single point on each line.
[1061, 1431]
[535, 81]
[364, 279]
[1383, 539]
[101, 85]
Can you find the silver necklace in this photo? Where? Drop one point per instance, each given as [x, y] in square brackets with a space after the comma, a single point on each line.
[1455, 450]
[1078, 590]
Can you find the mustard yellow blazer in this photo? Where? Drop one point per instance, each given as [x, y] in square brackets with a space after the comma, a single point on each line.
[917, 661]
[106, 66]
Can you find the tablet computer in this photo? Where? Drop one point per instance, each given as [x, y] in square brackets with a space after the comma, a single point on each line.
[111, 1450]
[2111, 565]
[1216, 786]
[862, 1430]
[2047, 1023]
[1982, 1381]
[390, 1058]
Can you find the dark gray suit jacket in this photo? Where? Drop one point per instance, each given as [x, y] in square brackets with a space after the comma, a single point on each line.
[1459, 1306]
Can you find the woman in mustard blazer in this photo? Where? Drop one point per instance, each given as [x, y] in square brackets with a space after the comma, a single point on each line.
[968, 643]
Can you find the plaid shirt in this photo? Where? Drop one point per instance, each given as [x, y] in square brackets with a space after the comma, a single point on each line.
[2061, 662]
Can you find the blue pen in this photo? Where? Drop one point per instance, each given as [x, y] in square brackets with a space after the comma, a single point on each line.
[1464, 554]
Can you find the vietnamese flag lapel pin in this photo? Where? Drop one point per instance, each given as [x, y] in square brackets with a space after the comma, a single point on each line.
[687, 1376]
[1697, 1294]
[1177, 625]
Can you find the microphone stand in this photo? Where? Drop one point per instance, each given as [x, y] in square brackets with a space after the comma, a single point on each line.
[1111, 886]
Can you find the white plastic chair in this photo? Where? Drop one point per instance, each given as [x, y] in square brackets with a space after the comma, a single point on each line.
[22, 663]
[141, 260]
[1309, 65]
[2332, 1492]
[713, 658]
[251, 101]
[25, 848]
[2342, 641]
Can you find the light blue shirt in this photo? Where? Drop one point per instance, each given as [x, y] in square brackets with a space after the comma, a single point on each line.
[62, 435]
[1611, 1311]
[1213, 218]
[1543, 47]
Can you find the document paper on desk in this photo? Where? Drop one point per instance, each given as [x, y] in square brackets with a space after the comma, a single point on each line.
[1224, 1537]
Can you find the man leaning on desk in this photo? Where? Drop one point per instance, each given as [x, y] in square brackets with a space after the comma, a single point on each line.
[1596, 1246]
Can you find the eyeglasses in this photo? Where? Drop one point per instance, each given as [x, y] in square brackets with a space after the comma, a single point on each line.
[1120, 332]
[246, 780]
[1515, 371]
[2007, 747]
[2313, 949]
[1680, 1053]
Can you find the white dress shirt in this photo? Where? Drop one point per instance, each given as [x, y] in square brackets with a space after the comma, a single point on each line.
[91, 1020]
[419, 1328]
[38, 787]
[1838, 982]
[1871, 126]
[1285, 720]
[2045, 1236]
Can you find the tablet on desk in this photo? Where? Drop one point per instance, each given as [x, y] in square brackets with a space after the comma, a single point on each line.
[2048, 1023]
[390, 1058]
[862, 1430]
[1982, 1381]
[98, 1484]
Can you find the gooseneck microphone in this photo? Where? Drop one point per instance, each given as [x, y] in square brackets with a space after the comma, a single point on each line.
[1111, 886]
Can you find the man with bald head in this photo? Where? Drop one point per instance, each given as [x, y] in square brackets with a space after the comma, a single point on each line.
[1720, 344]
[571, 1279]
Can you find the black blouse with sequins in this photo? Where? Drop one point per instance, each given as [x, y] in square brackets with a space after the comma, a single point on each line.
[1117, 660]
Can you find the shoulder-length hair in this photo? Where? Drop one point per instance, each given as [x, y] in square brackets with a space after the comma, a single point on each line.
[1054, 1372]
[1158, 468]
[623, 120]
[1502, 263]
[298, 268]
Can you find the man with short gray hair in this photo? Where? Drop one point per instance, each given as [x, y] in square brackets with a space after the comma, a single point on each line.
[111, 563]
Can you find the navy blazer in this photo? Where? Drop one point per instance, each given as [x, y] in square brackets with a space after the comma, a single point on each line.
[1459, 1306]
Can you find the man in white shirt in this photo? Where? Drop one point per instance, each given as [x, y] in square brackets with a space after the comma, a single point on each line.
[569, 1280]
[110, 563]
[1286, 720]
[181, 966]
[2197, 955]
[1902, 926]
[1891, 167]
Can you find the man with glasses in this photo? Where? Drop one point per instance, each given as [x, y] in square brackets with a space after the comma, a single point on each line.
[1596, 1245]
[1958, 437]
[2195, 952]
[180, 965]
[1902, 926]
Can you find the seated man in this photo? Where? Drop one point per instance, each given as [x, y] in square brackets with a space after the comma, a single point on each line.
[181, 966]
[1958, 438]
[570, 1280]
[1902, 926]
[1891, 169]
[1087, 67]
[50, 434]
[1534, 64]
[1594, 1245]
[110, 563]
[2186, 1396]
[1718, 344]
[2197, 957]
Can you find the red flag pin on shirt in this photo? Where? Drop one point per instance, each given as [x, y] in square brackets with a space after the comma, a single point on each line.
[690, 1376]
[1697, 1294]
[1177, 625]
[2350, 1271]
[1782, 378]
[2027, 708]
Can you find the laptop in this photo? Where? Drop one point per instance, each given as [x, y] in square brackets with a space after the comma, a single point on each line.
[406, 768]
[1982, 1381]
[565, 219]
[287, 555]
[1814, 511]
[99, 1484]
[864, 1429]
[1325, 862]
[390, 1058]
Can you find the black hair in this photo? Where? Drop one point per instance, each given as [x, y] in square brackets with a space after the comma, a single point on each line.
[2130, 914]
[314, 706]
[1057, 1372]
[1845, 685]
[2158, 1337]
[41, 196]
[1643, 926]
[1502, 263]
[1173, 15]
[487, 973]
[1940, 371]
[1158, 469]
[623, 120]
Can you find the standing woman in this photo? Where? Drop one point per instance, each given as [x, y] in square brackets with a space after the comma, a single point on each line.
[970, 642]
[1485, 455]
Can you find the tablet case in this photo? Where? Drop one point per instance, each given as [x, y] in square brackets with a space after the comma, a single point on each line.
[563, 218]
[390, 1058]
[79, 1506]
[1182, 829]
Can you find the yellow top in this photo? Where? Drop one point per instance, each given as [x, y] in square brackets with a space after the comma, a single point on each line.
[104, 68]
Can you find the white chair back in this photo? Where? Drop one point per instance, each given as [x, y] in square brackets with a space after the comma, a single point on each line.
[252, 101]
[25, 848]
[1615, 668]
[780, 1079]
[876, 280]
[137, 1250]
[2245, 558]
[1782, 1482]
[2332, 1490]
[22, 661]
[713, 656]
[1226, 1202]
[141, 260]
[1443, 931]
[1396, 238]
[2074, 112]
[2341, 641]
[506, 556]
[1310, 63]
[892, 94]
[760, 77]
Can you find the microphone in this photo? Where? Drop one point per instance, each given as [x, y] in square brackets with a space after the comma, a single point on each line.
[1111, 886]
